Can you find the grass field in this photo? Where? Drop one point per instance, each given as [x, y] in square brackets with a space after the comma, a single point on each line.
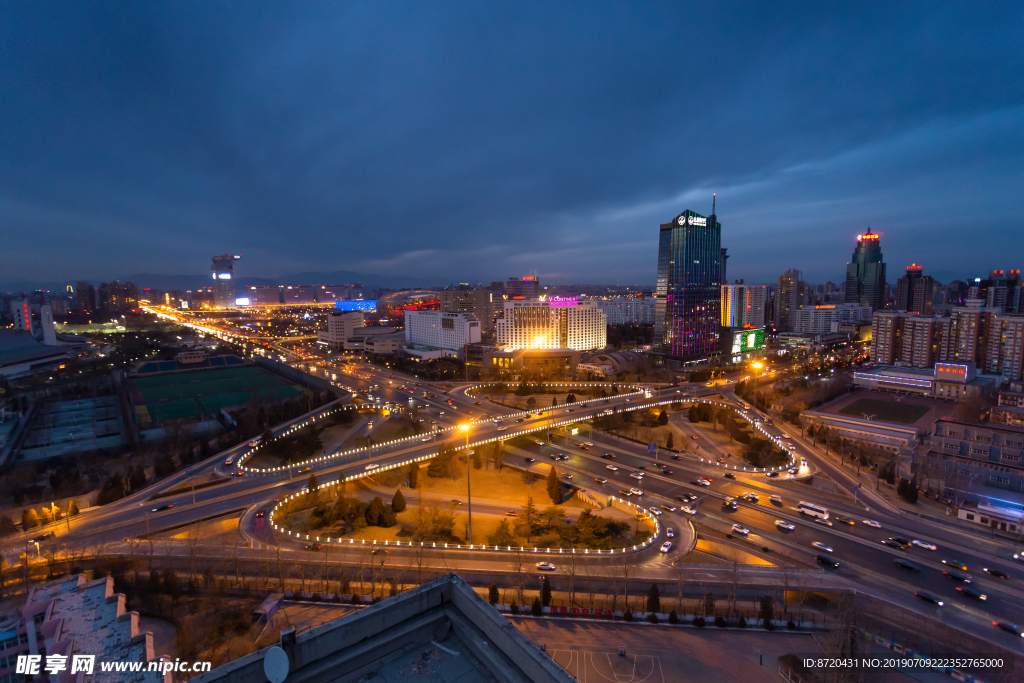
[886, 411]
[176, 396]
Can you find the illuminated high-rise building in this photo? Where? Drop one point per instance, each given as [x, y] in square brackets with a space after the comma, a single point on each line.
[865, 273]
[527, 287]
[557, 322]
[687, 319]
[223, 271]
[914, 291]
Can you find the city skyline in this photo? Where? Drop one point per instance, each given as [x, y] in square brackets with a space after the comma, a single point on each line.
[275, 137]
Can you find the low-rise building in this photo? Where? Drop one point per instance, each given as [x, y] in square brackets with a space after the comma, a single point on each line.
[384, 344]
[949, 381]
[547, 362]
[341, 326]
[441, 329]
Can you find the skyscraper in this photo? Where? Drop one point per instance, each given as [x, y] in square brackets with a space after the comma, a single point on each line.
[865, 274]
[223, 270]
[86, 297]
[527, 287]
[687, 319]
[790, 294]
[914, 291]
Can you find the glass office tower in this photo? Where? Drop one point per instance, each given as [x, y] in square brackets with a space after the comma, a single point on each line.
[865, 273]
[688, 315]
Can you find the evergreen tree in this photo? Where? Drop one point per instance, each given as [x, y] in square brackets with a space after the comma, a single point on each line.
[912, 491]
[767, 611]
[7, 527]
[492, 594]
[554, 401]
[545, 592]
[398, 502]
[374, 511]
[497, 455]
[670, 442]
[554, 486]
[663, 417]
[502, 535]
[313, 485]
[653, 598]
[537, 609]
[901, 488]
[414, 475]
[387, 517]
[477, 459]
[137, 479]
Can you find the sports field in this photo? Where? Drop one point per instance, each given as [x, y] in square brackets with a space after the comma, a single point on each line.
[204, 392]
[886, 411]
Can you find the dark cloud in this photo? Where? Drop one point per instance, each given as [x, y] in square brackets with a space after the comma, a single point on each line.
[475, 141]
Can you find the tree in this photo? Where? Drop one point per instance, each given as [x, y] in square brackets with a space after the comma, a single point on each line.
[912, 491]
[670, 442]
[502, 535]
[492, 594]
[554, 401]
[545, 592]
[901, 488]
[7, 526]
[414, 475]
[29, 519]
[496, 458]
[708, 603]
[653, 598]
[554, 486]
[374, 511]
[663, 417]
[313, 485]
[537, 609]
[477, 459]
[767, 611]
[387, 517]
[531, 402]
[398, 502]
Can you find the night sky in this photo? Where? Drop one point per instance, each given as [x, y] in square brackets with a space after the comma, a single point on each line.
[475, 141]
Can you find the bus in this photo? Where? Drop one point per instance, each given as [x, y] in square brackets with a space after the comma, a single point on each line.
[255, 440]
[812, 509]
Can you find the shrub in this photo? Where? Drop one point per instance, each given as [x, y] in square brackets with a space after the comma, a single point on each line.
[742, 623]
[356, 600]
[652, 618]
[720, 622]
[537, 609]
[700, 622]
[790, 625]
[316, 597]
[673, 618]
[514, 608]
[492, 594]
[627, 616]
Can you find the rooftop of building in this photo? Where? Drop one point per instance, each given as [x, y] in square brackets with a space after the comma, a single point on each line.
[439, 631]
[21, 347]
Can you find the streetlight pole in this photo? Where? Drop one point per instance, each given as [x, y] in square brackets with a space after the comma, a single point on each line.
[469, 489]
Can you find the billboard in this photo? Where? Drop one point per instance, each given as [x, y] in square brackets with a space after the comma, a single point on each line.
[746, 340]
[242, 301]
[356, 305]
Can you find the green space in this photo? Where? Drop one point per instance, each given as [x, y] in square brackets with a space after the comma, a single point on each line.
[886, 411]
[204, 392]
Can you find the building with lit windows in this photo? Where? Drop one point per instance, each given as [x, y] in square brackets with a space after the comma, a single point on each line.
[341, 326]
[526, 287]
[441, 329]
[743, 305]
[914, 291]
[865, 273]
[552, 323]
[298, 294]
[688, 296]
[482, 302]
[626, 311]
[827, 318]
[223, 271]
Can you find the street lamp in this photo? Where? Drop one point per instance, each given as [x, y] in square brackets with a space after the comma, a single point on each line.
[469, 488]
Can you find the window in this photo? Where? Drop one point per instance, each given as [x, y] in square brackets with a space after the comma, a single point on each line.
[954, 447]
[987, 438]
[965, 471]
[970, 516]
[996, 479]
[979, 451]
[1008, 457]
[984, 520]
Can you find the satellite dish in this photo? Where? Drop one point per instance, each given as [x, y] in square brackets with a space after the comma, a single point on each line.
[275, 664]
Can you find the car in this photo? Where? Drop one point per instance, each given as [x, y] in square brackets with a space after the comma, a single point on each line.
[608, 456]
[545, 566]
[519, 420]
[955, 564]
[958, 576]
[706, 479]
[775, 500]
[844, 520]
[688, 510]
[795, 470]
[229, 461]
[655, 511]
[1019, 557]
[694, 437]
[1007, 626]
[772, 474]
[314, 546]
[161, 508]
[823, 522]
[751, 496]
[822, 546]
[456, 502]
[786, 436]
[739, 529]
[686, 498]
[996, 573]
[426, 438]
[907, 564]
[893, 544]
[900, 540]
[529, 460]
[637, 475]
[479, 403]
[239, 473]
[538, 442]
[372, 466]
[719, 460]
[782, 524]
[641, 467]
[670, 532]
[677, 457]
[379, 551]
[305, 469]
[262, 513]
[928, 597]
[972, 592]
[666, 546]
[636, 492]
[667, 473]
[827, 561]
[600, 480]
[729, 475]
[502, 428]
[613, 468]
[924, 544]
[511, 513]
[625, 493]
[703, 482]
[873, 524]
[668, 508]
[731, 505]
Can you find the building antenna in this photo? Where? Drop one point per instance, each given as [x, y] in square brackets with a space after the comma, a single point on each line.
[714, 196]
